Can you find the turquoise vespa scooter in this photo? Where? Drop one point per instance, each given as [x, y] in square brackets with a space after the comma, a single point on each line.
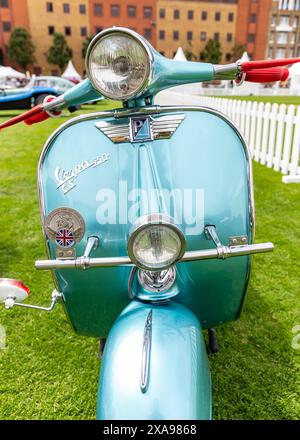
[148, 219]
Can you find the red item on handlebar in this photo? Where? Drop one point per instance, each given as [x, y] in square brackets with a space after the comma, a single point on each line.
[27, 115]
[267, 75]
[37, 118]
[33, 116]
[266, 64]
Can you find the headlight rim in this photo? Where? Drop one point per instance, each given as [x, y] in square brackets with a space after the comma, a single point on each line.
[141, 41]
[146, 221]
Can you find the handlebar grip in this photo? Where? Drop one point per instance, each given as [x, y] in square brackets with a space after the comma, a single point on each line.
[267, 64]
[37, 118]
[267, 75]
[27, 115]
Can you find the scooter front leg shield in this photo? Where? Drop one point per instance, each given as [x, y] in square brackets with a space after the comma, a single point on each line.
[155, 366]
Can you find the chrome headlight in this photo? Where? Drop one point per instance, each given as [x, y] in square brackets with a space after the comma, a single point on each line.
[118, 64]
[155, 243]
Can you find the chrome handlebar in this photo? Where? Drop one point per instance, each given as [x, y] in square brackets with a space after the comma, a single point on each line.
[221, 252]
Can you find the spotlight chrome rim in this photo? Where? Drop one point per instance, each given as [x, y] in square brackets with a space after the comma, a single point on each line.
[154, 220]
[144, 45]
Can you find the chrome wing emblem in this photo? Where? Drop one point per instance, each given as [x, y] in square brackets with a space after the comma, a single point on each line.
[141, 129]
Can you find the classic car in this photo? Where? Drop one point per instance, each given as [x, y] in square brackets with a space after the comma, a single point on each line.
[34, 93]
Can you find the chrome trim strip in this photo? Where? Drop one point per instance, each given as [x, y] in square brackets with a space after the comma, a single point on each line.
[146, 353]
[226, 71]
[142, 111]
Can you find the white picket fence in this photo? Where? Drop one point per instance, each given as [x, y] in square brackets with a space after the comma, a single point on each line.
[271, 130]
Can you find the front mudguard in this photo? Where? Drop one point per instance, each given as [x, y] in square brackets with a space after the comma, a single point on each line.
[179, 385]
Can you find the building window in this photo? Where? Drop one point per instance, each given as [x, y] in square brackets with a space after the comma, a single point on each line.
[282, 38]
[204, 15]
[252, 18]
[115, 10]
[82, 9]
[83, 31]
[162, 13]
[189, 35]
[37, 70]
[296, 21]
[131, 11]
[51, 30]
[4, 4]
[280, 53]
[251, 38]
[176, 14]
[217, 16]
[216, 36]
[292, 38]
[162, 35]
[6, 26]
[66, 8]
[49, 7]
[175, 35]
[147, 12]
[230, 16]
[284, 20]
[228, 57]
[190, 15]
[202, 36]
[98, 10]
[148, 33]
[229, 37]
[68, 31]
[98, 30]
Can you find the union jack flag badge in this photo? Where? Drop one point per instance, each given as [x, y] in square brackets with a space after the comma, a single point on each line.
[64, 238]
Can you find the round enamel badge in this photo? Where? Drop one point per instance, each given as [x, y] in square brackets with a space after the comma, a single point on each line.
[65, 227]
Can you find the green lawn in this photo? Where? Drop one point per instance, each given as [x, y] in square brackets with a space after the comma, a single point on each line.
[48, 372]
[272, 99]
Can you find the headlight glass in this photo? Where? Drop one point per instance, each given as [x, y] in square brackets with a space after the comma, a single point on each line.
[156, 243]
[118, 65]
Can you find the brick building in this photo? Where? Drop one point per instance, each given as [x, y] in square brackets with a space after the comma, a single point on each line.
[12, 14]
[252, 26]
[284, 30]
[139, 15]
[265, 27]
[70, 18]
[191, 23]
[76, 19]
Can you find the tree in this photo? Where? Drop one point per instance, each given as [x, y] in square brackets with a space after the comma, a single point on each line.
[212, 52]
[59, 53]
[237, 51]
[21, 48]
[1, 57]
[190, 56]
[188, 52]
[85, 45]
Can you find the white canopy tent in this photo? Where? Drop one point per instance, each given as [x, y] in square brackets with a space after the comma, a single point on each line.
[295, 79]
[187, 89]
[9, 72]
[71, 73]
[179, 56]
